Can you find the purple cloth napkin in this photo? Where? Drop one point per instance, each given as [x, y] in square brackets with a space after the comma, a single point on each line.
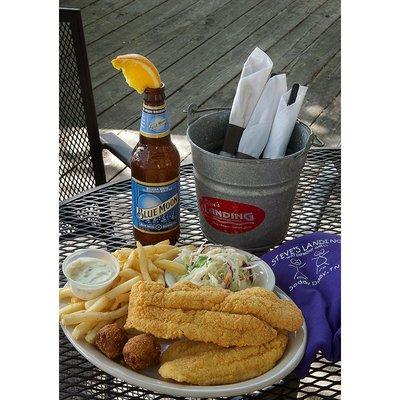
[308, 270]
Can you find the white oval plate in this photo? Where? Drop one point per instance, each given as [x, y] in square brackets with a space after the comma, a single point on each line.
[264, 275]
[151, 380]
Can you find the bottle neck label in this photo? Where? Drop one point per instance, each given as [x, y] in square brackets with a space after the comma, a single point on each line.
[154, 122]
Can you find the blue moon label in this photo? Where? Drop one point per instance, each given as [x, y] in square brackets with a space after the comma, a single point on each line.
[154, 122]
[155, 206]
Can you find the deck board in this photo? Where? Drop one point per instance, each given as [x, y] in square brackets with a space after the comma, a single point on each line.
[198, 52]
[102, 8]
[226, 68]
[219, 54]
[290, 47]
[223, 70]
[322, 90]
[111, 24]
[287, 49]
[306, 66]
[199, 47]
[327, 124]
[119, 37]
[82, 4]
[310, 45]
[115, 89]
[147, 43]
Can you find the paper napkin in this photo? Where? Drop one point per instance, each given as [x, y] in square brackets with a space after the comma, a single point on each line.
[255, 73]
[256, 134]
[283, 124]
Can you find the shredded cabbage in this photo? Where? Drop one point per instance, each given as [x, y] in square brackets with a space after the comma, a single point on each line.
[217, 266]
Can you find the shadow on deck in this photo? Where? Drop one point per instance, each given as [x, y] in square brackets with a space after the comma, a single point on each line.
[199, 47]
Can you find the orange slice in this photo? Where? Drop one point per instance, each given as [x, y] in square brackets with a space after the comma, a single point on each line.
[139, 72]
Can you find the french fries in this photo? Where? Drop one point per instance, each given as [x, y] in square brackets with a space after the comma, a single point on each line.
[162, 248]
[123, 253]
[89, 303]
[128, 273]
[132, 261]
[120, 299]
[147, 263]
[152, 268]
[86, 316]
[65, 292]
[161, 279]
[91, 335]
[71, 308]
[149, 250]
[171, 266]
[143, 262]
[169, 255]
[166, 241]
[80, 330]
[100, 303]
[120, 321]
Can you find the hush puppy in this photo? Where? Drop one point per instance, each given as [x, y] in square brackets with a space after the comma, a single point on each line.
[141, 351]
[110, 340]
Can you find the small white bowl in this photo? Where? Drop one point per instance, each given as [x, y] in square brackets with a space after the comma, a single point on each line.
[264, 276]
[90, 291]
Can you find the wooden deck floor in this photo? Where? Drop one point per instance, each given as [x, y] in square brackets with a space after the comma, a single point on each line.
[199, 47]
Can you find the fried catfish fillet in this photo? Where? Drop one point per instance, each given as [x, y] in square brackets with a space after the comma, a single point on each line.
[209, 364]
[217, 327]
[257, 302]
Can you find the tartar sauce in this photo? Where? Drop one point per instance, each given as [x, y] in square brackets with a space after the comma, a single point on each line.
[89, 270]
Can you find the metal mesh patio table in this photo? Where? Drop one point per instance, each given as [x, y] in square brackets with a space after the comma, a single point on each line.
[102, 218]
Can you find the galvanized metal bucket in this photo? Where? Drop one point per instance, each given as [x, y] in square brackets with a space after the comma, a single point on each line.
[244, 203]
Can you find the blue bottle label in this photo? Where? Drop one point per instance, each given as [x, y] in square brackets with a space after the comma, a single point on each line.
[154, 122]
[155, 206]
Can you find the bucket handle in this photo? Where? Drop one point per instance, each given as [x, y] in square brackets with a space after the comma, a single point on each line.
[315, 140]
[318, 142]
[194, 109]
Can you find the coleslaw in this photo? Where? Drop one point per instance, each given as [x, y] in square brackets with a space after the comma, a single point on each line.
[213, 265]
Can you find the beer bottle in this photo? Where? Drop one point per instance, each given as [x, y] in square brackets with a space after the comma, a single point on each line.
[155, 174]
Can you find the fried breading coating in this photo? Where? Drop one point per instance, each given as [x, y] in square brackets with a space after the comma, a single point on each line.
[186, 348]
[209, 364]
[110, 340]
[216, 327]
[141, 351]
[255, 301]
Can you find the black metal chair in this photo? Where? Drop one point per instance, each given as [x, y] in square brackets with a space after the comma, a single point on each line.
[81, 165]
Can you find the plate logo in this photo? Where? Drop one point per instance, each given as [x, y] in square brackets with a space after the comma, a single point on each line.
[229, 216]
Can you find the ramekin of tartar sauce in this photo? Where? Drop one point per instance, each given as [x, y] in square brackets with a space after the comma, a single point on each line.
[90, 272]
